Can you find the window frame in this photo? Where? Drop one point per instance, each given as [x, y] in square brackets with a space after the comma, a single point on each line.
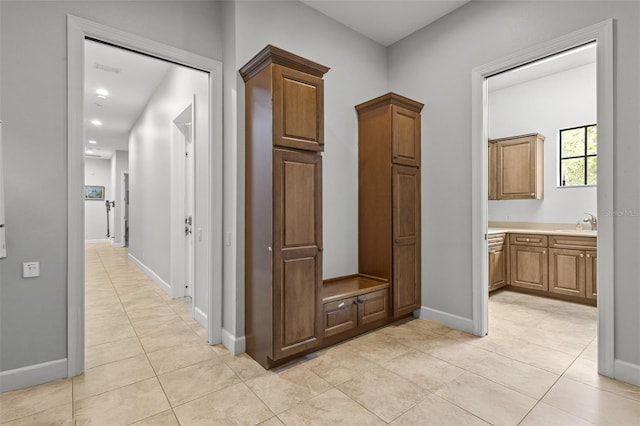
[585, 156]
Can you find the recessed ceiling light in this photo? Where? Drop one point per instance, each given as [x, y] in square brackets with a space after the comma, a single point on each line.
[92, 141]
[102, 93]
[96, 122]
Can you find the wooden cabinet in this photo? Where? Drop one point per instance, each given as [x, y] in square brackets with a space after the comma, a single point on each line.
[516, 167]
[570, 258]
[528, 262]
[389, 196]
[283, 205]
[497, 261]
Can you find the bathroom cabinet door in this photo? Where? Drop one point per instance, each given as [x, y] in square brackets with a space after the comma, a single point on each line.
[567, 271]
[528, 267]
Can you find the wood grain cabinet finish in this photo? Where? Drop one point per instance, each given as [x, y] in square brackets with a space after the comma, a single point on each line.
[528, 262]
[283, 205]
[497, 261]
[516, 167]
[567, 271]
[591, 275]
[389, 196]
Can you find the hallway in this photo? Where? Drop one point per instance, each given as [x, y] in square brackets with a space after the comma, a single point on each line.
[148, 363]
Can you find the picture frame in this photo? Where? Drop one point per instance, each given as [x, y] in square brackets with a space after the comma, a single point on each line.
[94, 192]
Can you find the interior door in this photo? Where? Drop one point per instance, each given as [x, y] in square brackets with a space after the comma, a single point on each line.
[406, 239]
[189, 210]
[297, 199]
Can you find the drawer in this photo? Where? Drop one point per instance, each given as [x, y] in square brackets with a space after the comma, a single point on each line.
[495, 242]
[340, 316]
[534, 240]
[373, 306]
[570, 242]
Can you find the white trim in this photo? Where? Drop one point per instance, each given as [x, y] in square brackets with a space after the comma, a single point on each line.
[33, 375]
[627, 372]
[444, 318]
[602, 33]
[117, 245]
[236, 345]
[77, 30]
[149, 272]
[98, 241]
[199, 316]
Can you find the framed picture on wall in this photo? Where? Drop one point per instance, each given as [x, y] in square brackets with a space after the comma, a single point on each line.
[93, 192]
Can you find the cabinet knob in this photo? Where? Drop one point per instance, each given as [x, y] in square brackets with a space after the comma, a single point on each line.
[532, 194]
[588, 255]
[320, 248]
[269, 248]
[544, 252]
[581, 255]
[397, 241]
[527, 240]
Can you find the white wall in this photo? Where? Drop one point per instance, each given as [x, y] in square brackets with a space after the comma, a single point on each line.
[150, 149]
[434, 66]
[358, 73]
[546, 105]
[33, 317]
[97, 172]
[119, 164]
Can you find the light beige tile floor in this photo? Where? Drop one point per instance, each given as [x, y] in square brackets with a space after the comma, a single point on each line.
[147, 363]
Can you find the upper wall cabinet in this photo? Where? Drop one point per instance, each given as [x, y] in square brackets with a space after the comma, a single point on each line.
[516, 167]
[405, 130]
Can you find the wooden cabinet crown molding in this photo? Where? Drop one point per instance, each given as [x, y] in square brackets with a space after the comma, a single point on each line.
[274, 55]
[390, 98]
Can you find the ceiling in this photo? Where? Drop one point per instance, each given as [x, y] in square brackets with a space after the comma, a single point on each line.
[131, 79]
[385, 21]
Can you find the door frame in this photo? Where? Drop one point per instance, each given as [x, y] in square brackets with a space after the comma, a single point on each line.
[78, 29]
[602, 33]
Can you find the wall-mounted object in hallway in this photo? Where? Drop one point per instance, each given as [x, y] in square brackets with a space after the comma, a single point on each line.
[284, 101]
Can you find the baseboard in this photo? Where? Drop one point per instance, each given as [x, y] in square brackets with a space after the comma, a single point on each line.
[117, 245]
[450, 320]
[200, 316]
[33, 375]
[102, 240]
[155, 277]
[236, 345]
[627, 372]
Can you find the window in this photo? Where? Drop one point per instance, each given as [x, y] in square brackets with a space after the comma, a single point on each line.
[579, 156]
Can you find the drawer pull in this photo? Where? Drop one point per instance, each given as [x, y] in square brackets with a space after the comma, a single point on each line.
[581, 255]
[588, 255]
[341, 305]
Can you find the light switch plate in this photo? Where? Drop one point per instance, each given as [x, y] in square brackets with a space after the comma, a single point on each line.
[30, 269]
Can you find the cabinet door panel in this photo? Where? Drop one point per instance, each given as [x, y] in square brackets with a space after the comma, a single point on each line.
[298, 109]
[373, 306]
[297, 258]
[566, 272]
[591, 275]
[516, 169]
[497, 269]
[528, 267]
[493, 175]
[340, 316]
[406, 239]
[406, 136]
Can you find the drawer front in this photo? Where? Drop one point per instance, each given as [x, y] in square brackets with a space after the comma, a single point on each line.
[533, 240]
[496, 242]
[340, 316]
[562, 241]
[373, 306]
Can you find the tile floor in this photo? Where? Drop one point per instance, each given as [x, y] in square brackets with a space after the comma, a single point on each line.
[148, 364]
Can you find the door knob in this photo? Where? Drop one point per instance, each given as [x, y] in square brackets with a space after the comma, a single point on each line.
[187, 230]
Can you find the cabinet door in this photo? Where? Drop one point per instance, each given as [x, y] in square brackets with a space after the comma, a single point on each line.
[493, 175]
[497, 269]
[567, 272]
[405, 130]
[298, 109]
[528, 267]
[406, 239]
[297, 230]
[591, 274]
[340, 316]
[516, 169]
[373, 306]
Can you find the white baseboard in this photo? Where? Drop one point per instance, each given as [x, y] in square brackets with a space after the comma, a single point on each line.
[103, 240]
[627, 372]
[155, 277]
[236, 345]
[117, 245]
[450, 320]
[200, 316]
[33, 375]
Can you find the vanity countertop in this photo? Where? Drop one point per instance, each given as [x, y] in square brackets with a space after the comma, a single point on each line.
[564, 231]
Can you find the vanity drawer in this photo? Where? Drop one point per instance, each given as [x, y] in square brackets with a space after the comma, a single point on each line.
[570, 242]
[373, 306]
[495, 241]
[533, 240]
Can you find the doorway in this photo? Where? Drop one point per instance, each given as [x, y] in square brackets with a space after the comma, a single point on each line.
[78, 31]
[602, 34]
[125, 209]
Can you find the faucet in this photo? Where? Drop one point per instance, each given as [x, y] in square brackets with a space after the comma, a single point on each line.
[592, 221]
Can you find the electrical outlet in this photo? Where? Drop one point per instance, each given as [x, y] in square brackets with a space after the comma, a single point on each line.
[30, 269]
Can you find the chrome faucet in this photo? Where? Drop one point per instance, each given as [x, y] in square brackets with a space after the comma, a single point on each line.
[592, 221]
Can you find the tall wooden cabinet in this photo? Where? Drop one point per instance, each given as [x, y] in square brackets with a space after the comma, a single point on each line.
[283, 203]
[389, 196]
